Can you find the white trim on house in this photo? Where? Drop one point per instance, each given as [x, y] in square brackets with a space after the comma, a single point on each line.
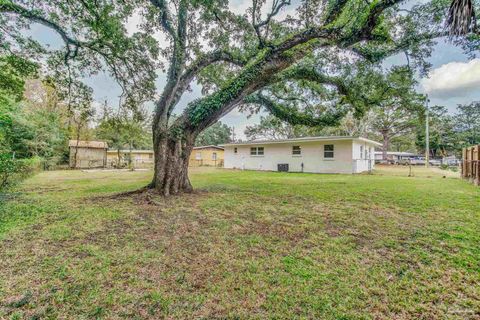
[345, 156]
[304, 139]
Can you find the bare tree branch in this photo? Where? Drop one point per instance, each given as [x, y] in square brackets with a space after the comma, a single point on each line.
[276, 6]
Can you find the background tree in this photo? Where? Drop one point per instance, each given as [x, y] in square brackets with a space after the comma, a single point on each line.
[216, 134]
[272, 128]
[47, 116]
[443, 140]
[124, 129]
[399, 107]
[467, 123]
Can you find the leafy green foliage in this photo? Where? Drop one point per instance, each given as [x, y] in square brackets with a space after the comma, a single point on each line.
[450, 133]
[202, 109]
[216, 134]
[13, 72]
[271, 127]
[467, 123]
[124, 129]
[8, 167]
[13, 170]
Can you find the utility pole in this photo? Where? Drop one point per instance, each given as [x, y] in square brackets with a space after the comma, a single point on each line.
[427, 138]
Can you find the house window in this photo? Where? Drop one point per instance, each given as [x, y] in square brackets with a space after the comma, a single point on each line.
[256, 151]
[370, 153]
[296, 150]
[214, 156]
[361, 152]
[328, 151]
[235, 150]
[198, 156]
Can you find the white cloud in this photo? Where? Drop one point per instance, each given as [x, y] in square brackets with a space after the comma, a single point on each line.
[454, 79]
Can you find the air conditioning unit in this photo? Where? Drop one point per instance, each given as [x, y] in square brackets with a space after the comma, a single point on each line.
[282, 167]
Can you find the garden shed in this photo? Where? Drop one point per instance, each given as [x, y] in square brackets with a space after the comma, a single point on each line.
[87, 154]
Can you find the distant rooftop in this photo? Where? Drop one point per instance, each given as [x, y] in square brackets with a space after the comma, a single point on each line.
[205, 147]
[88, 144]
[128, 151]
[304, 139]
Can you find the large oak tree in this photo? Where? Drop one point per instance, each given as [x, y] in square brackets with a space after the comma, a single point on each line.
[302, 67]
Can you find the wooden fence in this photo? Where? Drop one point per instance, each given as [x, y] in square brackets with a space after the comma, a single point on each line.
[471, 164]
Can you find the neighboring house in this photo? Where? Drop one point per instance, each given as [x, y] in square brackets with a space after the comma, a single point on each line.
[393, 156]
[309, 154]
[122, 158]
[206, 156]
[87, 154]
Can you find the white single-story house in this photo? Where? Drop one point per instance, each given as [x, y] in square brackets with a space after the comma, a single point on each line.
[309, 154]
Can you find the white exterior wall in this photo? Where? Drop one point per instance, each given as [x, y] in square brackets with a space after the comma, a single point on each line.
[311, 157]
[346, 157]
[363, 162]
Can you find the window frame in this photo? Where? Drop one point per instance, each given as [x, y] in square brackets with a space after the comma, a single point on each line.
[198, 155]
[255, 151]
[361, 152]
[235, 150]
[214, 156]
[299, 154]
[325, 157]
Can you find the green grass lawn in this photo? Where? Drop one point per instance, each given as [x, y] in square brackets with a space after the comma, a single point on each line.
[244, 245]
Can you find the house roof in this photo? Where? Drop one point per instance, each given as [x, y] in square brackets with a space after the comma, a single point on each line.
[128, 151]
[88, 144]
[206, 147]
[304, 139]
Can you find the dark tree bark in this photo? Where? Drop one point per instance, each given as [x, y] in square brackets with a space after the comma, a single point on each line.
[171, 163]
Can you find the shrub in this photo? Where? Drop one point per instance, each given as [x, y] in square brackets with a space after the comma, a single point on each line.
[8, 168]
[14, 170]
[444, 166]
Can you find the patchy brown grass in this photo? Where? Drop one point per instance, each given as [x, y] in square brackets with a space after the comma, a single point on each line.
[245, 245]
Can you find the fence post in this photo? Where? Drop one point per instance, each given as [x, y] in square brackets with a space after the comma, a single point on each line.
[471, 164]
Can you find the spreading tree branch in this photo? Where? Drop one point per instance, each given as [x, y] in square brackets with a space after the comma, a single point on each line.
[208, 59]
[292, 115]
[12, 8]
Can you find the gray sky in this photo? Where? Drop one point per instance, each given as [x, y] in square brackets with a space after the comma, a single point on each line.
[453, 79]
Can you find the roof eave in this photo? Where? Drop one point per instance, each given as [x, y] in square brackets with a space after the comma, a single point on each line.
[306, 139]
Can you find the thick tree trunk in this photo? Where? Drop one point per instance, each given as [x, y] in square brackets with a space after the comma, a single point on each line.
[385, 146]
[171, 165]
